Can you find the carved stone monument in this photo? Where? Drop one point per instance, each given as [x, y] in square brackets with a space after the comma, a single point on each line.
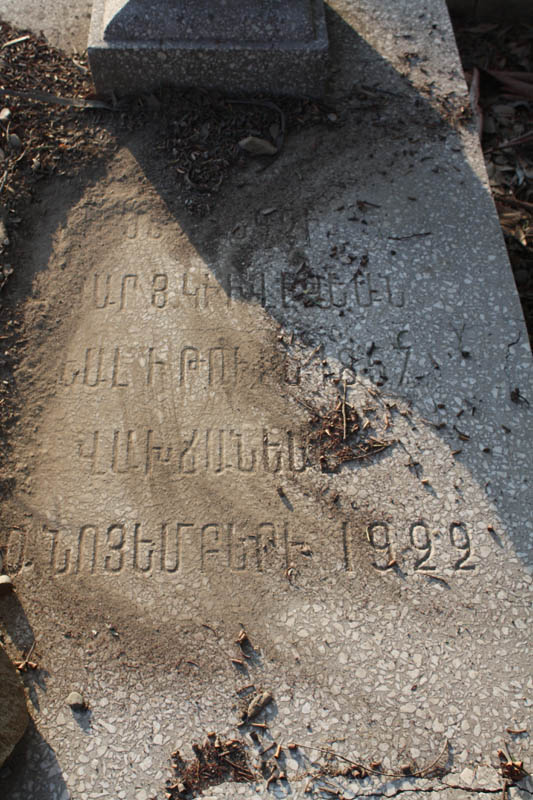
[305, 416]
[277, 47]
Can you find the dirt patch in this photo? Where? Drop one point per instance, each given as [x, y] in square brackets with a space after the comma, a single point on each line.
[40, 139]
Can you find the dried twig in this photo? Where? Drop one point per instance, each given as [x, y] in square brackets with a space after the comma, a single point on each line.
[474, 101]
[45, 97]
[507, 200]
[23, 665]
[216, 761]
[16, 41]
[344, 412]
[428, 769]
[525, 139]
[410, 236]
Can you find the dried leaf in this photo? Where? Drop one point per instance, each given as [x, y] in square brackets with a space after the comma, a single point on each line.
[516, 86]
[483, 27]
[258, 147]
[474, 102]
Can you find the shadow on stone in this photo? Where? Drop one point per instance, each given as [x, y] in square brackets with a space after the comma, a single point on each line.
[359, 289]
[83, 718]
[14, 622]
[33, 756]
[272, 204]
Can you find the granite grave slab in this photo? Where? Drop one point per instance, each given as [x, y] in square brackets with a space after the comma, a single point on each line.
[304, 415]
[278, 47]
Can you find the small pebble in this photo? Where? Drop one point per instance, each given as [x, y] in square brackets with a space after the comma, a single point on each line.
[257, 147]
[14, 141]
[4, 238]
[6, 585]
[5, 115]
[76, 701]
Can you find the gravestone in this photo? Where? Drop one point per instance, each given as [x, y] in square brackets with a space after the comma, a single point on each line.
[138, 45]
[305, 416]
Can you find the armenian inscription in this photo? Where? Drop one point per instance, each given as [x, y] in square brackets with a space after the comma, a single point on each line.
[186, 419]
[221, 364]
[182, 288]
[168, 547]
[215, 451]
[154, 401]
[285, 410]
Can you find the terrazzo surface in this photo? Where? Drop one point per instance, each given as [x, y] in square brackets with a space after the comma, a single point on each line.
[170, 494]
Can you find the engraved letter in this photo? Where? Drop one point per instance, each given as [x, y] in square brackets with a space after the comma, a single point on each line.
[186, 457]
[245, 551]
[101, 302]
[123, 455]
[212, 542]
[115, 378]
[171, 546]
[271, 464]
[394, 300]
[132, 279]
[155, 453]
[216, 365]
[92, 453]
[242, 466]
[115, 537]
[60, 564]
[159, 290]
[146, 564]
[188, 363]
[87, 531]
[333, 283]
[363, 290]
[92, 373]
[293, 450]
[153, 362]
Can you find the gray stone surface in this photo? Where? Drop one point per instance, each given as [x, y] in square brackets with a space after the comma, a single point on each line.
[214, 22]
[278, 47]
[65, 23]
[163, 501]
